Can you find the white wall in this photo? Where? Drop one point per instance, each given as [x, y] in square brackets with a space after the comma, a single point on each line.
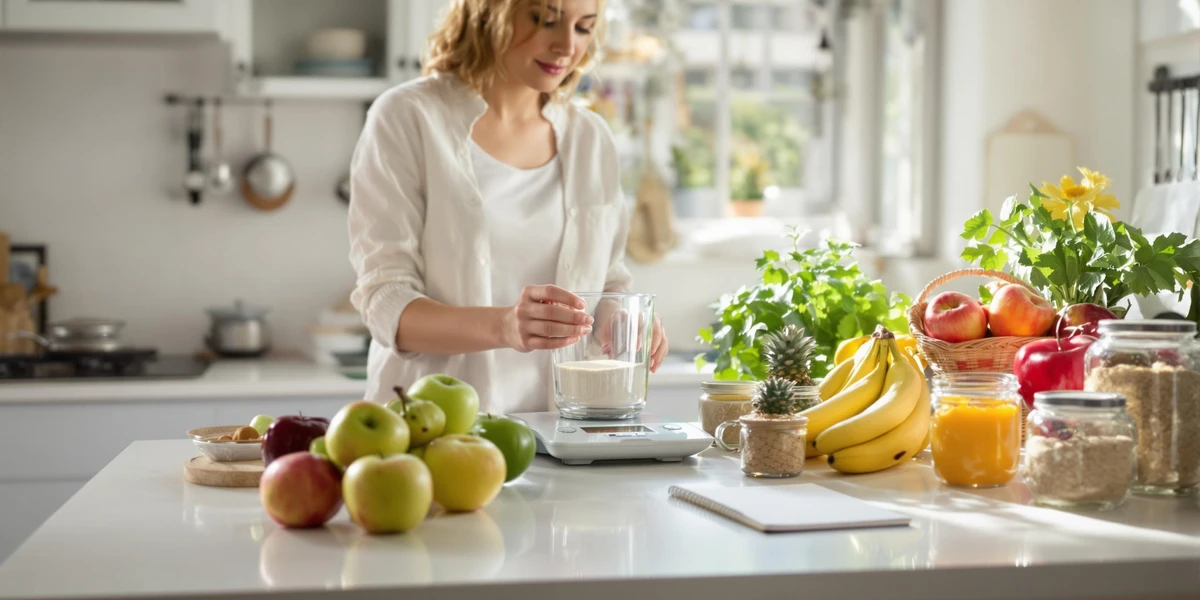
[91, 161]
[1073, 61]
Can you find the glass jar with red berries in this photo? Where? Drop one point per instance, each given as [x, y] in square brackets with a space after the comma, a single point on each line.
[1080, 449]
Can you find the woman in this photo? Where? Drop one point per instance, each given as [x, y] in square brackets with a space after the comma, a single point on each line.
[480, 196]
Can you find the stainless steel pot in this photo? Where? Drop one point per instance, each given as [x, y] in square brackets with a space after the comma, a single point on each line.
[238, 332]
[78, 335]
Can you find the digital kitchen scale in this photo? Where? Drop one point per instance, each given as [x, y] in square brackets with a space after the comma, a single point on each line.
[578, 442]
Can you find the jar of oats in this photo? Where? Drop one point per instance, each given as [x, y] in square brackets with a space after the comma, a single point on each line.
[1080, 450]
[1155, 364]
[770, 445]
[722, 401]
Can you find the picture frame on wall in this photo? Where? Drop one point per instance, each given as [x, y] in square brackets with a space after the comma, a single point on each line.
[24, 261]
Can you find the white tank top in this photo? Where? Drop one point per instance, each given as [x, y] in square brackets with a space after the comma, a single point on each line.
[525, 216]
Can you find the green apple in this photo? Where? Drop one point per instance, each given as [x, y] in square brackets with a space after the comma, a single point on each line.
[418, 452]
[364, 427]
[514, 439]
[387, 495]
[318, 447]
[260, 423]
[426, 420]
[455, 397]
[467, 471]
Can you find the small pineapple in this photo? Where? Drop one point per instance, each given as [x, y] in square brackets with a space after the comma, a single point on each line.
[788, 353]
[774, 396]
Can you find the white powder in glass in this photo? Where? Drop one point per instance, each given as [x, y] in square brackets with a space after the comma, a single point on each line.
[601, 383]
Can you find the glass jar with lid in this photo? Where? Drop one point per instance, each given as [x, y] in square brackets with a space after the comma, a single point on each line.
[1155, 364]
[1080, 450]
[976, 428]
[770, 445]
[722, 401]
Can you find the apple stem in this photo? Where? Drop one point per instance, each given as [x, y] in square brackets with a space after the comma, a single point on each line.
[403, 398]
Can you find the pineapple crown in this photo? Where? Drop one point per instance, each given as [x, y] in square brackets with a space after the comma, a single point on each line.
[789, 353]
[773, 396]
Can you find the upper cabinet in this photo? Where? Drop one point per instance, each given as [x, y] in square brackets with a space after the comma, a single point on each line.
[112, 16]
[326, 48]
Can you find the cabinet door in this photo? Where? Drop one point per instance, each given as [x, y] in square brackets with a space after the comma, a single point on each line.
[114, 16]
[411, 23]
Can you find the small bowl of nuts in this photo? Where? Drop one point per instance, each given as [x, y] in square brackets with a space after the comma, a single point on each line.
[228, 443]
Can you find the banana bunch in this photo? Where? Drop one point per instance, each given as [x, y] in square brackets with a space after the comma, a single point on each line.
[874, 411]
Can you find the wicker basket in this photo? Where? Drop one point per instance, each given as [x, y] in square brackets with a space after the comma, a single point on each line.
[988, 354]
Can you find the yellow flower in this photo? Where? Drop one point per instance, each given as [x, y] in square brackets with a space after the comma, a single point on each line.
[1076, 200]
[1095, 180]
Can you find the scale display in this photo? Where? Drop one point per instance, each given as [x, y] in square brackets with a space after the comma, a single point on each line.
[645, 437]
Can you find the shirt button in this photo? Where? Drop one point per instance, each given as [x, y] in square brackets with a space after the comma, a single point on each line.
[567, 267]
[571, 211]
[483, 260]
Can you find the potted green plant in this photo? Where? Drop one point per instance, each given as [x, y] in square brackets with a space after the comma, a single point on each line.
[748, 179]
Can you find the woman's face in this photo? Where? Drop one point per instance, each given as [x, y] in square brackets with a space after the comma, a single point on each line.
[548, 44]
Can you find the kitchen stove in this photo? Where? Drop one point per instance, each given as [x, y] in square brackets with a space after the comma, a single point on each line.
[122, 364]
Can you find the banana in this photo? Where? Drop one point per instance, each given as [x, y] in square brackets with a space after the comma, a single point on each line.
[850, 401]
[835, 380]
[891, 448]
[901, 390]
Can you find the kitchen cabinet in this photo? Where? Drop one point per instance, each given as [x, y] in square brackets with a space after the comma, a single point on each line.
[112, 16]
[269, 46]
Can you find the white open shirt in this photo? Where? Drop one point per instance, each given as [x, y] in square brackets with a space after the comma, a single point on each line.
[417, 226]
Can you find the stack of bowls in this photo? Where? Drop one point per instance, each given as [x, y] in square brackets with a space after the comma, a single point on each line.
[336, 52]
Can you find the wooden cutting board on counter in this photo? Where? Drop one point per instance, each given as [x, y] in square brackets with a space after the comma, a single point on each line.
[203, 470]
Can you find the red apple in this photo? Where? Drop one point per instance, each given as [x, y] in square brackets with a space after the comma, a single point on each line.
[292, 433]
[955, 317]
[1046, 365]
[1018, 311]
[301, 489]
[1082, 319]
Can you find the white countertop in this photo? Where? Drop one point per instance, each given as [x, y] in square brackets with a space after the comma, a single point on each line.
[138, 530]
[249, 379]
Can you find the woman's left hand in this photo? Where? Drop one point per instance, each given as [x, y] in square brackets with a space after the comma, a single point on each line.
[658, 345]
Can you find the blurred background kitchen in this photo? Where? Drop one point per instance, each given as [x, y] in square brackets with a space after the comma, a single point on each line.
[885, 122]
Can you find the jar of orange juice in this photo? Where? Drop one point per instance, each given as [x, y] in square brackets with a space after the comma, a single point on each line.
[976, 430]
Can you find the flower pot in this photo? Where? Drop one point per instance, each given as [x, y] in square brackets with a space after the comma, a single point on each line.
[746, 208]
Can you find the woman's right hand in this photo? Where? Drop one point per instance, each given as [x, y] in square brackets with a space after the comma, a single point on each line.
[546, 317]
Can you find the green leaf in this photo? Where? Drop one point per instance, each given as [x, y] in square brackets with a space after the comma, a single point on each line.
[976, 228]
[985, 294]
[848, 327]
[700, 362]
[996, 261]
[977, 253]
[706, 335]
[998, 238]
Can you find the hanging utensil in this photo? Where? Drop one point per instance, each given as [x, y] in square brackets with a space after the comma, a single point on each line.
[194, 180]
[220, 175]
[1182, 130]
[268, 181]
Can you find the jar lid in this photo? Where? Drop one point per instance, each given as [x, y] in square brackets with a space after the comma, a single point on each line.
[728, 387]
[1146, 326]
[1080, 398]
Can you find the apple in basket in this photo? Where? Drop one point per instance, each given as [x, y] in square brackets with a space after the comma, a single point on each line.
[1016, 310]
[955, 317]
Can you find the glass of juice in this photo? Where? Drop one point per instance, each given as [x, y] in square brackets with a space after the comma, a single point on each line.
[976, 431]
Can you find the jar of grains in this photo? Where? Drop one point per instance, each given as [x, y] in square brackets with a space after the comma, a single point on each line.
[722, 401]
[1080, 450]
[1155, 364]
[770, 445]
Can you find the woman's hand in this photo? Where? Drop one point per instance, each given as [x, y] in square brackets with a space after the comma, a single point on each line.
[613, 335]
[546, 317]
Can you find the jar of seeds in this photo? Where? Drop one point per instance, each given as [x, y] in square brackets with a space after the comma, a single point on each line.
[722, 401]
[1155, 364]
[772, 439]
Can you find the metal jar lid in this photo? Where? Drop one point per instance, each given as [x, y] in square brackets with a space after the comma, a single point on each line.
[736, 388]
[1146, 326]
[1080, 399]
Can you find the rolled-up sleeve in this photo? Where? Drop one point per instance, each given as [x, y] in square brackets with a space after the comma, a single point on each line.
[387, 216]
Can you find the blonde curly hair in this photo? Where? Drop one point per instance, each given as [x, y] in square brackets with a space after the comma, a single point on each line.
[474, 35]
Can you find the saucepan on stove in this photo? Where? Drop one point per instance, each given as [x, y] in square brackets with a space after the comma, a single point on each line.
[79, 335]
[238, 332]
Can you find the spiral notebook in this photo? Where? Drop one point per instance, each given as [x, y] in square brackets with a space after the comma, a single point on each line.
[780, 508]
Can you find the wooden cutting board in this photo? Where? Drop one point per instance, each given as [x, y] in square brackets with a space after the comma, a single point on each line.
[203, 470]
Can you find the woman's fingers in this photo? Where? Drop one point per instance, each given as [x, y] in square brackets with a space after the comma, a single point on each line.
[554, 329]
[555, 312]
[553, 293]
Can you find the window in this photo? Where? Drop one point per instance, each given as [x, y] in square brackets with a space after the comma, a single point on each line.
[748, 113]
